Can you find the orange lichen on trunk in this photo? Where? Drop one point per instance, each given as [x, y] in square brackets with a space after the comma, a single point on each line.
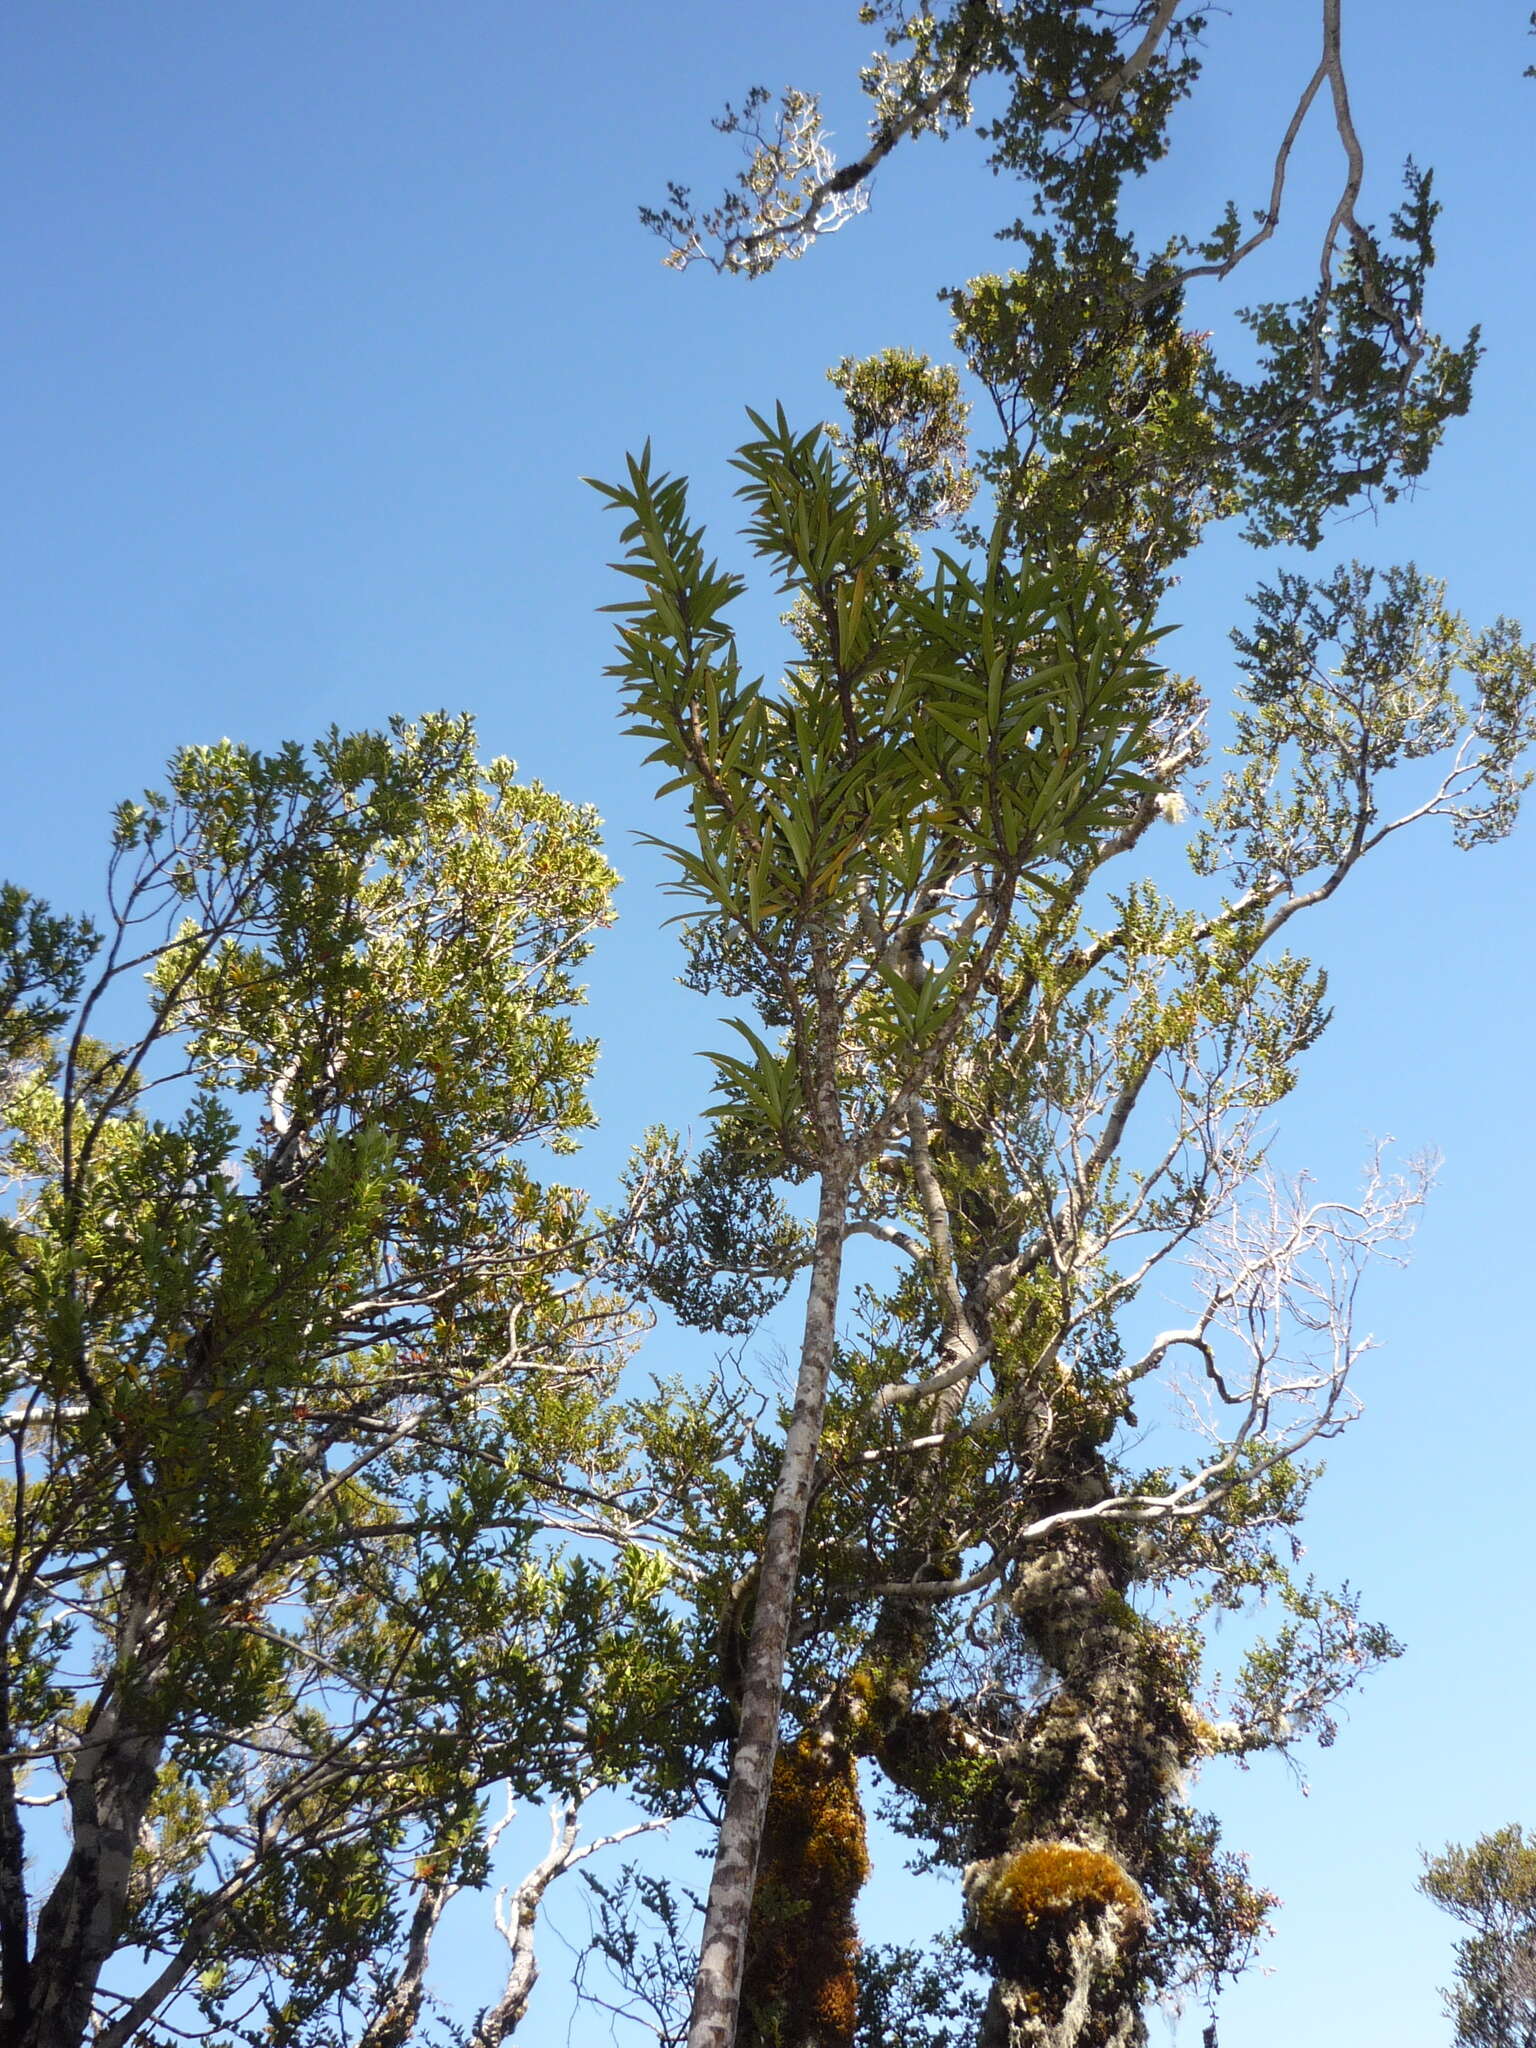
[1019, 1903]
[800, 1988]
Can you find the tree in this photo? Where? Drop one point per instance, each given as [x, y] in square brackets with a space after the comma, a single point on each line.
[303, 1370]
[858, 843]
[1491, 1889]
[1103, 1121]
[1002, 1596]
[1002, 1600]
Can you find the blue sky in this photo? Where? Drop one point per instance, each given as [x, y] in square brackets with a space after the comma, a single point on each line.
[314, 317]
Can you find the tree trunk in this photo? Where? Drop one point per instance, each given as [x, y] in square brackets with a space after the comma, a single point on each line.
[15, 1959]
[717, 1992]
[1054, 1901]
[78, 1930]
[800, 1986]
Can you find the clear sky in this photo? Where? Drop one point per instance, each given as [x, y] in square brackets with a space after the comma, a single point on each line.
[313, 317]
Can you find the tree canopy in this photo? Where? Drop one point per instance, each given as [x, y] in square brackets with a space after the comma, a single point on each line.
[1121, 425]
[303, 1367]
[1015, 1519]
[343, 1494]
[1491, 1889]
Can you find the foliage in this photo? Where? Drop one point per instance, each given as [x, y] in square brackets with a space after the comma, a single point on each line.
[302, 1363]
[916, 1998]
[1491, 1889]
[638, 1930]
[1028, 1665]
[713, 1240]
[1027, 1513]
[858, 841]
[906, 434]
[926, 723]
[1122, 427]
[1002, 1599]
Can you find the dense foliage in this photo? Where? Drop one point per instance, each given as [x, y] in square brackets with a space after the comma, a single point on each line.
[327, 1509]
[1491, 1889]
[1020, 1507]
[860, 838]
[303, 1361]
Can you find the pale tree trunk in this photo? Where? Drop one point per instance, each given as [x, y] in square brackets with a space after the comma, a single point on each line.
[717, 1992]
[79, 1928]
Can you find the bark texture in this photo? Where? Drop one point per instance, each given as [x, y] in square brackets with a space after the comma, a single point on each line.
[1055, 1899]
[722, 1955]
[110, 1787]
[801, 1988]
